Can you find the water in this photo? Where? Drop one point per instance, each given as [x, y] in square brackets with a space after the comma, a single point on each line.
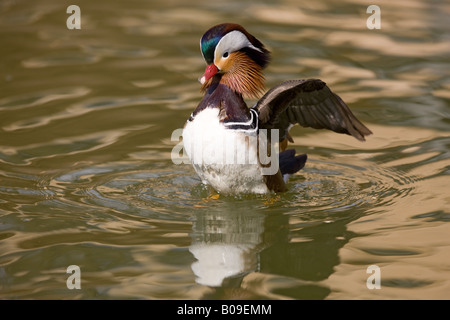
[86, 176]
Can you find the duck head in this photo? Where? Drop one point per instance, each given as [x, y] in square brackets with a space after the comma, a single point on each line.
[235, 58]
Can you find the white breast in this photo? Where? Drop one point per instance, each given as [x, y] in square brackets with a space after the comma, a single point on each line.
[225, 159]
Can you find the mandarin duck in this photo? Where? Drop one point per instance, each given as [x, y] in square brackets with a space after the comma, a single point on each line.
[230, 145]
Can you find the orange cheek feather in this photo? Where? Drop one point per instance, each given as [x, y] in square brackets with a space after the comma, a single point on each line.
[224, 65]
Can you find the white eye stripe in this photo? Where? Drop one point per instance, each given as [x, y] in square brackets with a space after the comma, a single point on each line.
[232, 41]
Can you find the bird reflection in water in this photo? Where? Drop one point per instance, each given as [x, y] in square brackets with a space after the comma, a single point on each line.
[238, 252]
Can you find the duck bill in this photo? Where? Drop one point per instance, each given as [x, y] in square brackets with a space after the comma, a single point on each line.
[210, 71]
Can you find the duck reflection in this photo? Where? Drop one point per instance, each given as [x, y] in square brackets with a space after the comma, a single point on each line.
[231, 245]
[226, 246]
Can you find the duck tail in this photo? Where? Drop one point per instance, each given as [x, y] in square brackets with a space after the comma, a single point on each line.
[290, 163]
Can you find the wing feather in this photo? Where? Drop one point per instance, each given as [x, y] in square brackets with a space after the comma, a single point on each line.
[310, 103]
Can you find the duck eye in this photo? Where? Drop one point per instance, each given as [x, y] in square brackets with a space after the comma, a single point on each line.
[225, 55]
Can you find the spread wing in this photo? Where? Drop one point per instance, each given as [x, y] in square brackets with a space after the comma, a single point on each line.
[310, 103]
